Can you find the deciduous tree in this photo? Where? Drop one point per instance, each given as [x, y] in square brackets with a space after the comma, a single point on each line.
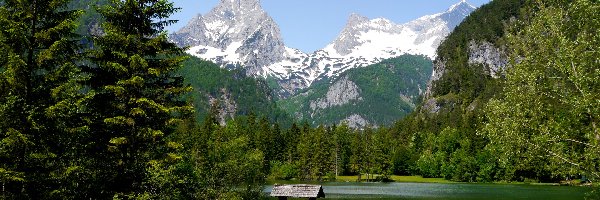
[552, 99]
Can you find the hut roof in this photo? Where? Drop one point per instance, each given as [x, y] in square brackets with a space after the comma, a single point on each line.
[298, 191]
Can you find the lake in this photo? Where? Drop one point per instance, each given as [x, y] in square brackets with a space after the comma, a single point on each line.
[427, 191]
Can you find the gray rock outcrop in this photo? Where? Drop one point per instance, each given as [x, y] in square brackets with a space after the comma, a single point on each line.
[492, 57]
[340, 93]
[355, 121]
[225, 106]
[439, 69]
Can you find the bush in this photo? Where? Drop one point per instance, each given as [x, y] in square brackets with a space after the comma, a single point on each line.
[429, 164]
[283, 171]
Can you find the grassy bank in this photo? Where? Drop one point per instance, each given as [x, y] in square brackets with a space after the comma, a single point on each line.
[418, 179]
[394, 178]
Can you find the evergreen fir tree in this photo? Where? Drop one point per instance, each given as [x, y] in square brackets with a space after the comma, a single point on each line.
[39, 92]
[137, 101]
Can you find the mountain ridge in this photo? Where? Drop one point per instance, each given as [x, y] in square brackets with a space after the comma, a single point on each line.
[375, 95]
[260, 49]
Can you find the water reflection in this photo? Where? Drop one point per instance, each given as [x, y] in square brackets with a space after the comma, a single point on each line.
[449, 191]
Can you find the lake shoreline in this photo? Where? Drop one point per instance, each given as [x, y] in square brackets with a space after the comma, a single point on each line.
[420, 179]
[439, 191]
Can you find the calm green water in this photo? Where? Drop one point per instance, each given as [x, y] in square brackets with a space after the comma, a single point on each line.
[448, 191]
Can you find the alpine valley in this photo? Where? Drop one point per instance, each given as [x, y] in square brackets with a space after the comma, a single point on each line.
[374, 64]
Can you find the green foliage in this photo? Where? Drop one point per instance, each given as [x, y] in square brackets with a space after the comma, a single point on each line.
[39, 98]
[283, 171]
[448, 155]
[89, 23]
[551, 100]
[224, 161]
[136, 103]
[389, 90]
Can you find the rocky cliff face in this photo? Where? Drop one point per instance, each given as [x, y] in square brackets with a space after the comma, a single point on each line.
[356, 121]
[341, 92]
[491, 57]
[224, 105]
[439, 69]
[236, 32]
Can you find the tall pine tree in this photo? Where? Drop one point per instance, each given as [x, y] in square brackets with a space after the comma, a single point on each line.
[137, 101]
[38, 78]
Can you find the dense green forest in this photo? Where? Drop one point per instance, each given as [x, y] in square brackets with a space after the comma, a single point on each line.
[530, 123]
[125, 114]
[461, 94]
[82, 123]
[388, 91]
[247, 94]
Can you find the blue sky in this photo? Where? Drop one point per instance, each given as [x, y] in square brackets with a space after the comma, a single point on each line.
[309, 25]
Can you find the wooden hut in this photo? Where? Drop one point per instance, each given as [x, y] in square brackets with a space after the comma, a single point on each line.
[298, 191]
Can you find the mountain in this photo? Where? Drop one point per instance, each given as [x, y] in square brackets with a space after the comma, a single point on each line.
[375, 95]
[234, 33]
[239, 33]
[468, 71]
[472, 59]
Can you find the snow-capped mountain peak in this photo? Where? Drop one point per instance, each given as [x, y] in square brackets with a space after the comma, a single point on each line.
[240, 6]
[356, 19]
[463, 5]
[234, 33]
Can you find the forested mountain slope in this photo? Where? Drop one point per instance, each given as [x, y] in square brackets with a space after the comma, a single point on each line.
[467, 73]
[375, 95]
[469, 69]
[229, 93]
[508, 99]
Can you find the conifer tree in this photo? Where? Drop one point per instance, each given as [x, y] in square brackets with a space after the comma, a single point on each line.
[358, 159]
[38, 97]
[137, 101]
